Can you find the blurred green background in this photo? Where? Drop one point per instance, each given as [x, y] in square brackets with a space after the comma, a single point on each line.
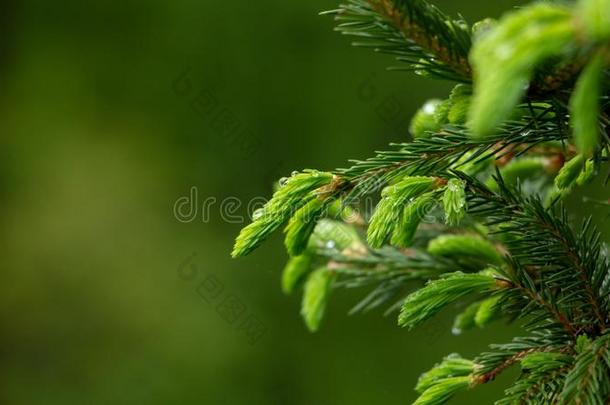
[111, 112]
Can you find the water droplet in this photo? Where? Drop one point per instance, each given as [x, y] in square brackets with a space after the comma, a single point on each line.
[430, 107]
[283, 181]
[257, 213]
[315, 173]
[294, 173]
[330, 244]
[456, 331]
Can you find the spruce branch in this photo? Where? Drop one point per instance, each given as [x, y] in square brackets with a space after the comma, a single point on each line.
[471, 209]
[543, 376]
[414, 31]
[501, 356]
[425, 25]
[586, 381]
[427, 301]
[550, 245]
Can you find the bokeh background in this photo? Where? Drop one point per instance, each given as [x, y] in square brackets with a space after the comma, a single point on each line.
[112, 111]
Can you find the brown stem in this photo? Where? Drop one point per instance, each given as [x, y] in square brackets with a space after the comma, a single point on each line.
[420, 36]
[560, 317]
[576, 262]
[485, 378]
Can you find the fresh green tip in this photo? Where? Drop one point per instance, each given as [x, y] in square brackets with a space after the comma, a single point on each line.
[465, 246]
[443, 390]
[293, 192]
[315, 297]
[454, 201]
[452, 366]
[570, 172]
[504, 60]
[295, 271]
[437, 294]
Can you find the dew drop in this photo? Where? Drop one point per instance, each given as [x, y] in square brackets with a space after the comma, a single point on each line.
[257, 214]
[330, 244]
[283, 181]
[430, 107]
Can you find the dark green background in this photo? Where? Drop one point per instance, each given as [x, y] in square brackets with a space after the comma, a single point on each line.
[99, 141]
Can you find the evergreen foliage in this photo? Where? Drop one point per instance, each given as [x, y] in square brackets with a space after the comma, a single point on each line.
[471, 210]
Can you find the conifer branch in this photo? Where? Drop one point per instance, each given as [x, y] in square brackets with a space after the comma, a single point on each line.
[585, 382]
[551, 243]
[450, 146]
[429, 28]
[472, 207]
[414, 31]
[515, 358]
[543, 374]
